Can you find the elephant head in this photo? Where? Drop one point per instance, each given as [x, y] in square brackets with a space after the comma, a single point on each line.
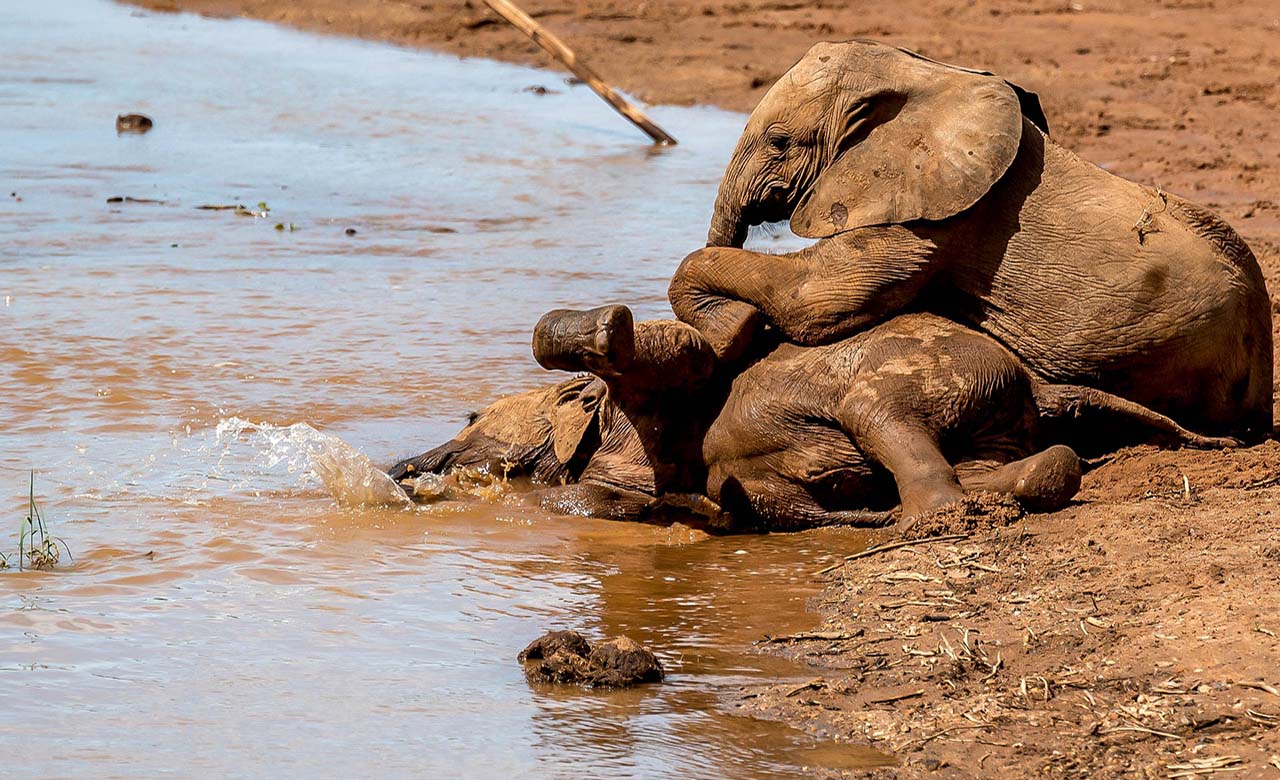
[545, 434]
[860, 133]
[639, 402]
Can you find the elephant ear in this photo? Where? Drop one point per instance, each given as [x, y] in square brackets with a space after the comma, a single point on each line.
[953, 135]
[575, 411]
[1028, 101]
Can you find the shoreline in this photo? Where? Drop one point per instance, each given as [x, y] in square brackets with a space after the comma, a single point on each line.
[1132, 634]
[1178, 96]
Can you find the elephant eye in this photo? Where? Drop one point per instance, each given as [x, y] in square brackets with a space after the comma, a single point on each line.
[778, 143]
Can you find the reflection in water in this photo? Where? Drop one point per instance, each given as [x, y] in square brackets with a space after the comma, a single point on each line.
[225, 616]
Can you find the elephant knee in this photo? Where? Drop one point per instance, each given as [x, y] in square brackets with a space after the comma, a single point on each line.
[688, 285]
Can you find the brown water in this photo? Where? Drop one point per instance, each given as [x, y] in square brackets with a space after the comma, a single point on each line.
[224, 616]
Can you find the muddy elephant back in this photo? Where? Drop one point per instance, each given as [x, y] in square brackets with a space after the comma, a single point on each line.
[960, 381]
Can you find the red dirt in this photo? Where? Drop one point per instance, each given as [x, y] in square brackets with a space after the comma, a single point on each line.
[1085, 627]
[1152, 603]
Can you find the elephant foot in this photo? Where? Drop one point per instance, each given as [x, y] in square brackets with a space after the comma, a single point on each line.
[925, 496]
[1043, 482]
[600, 340]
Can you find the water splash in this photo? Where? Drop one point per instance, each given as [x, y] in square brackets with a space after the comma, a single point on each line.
[347, 473]
[463, 483]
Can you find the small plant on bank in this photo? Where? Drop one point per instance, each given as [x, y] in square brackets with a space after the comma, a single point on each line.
[37, 548]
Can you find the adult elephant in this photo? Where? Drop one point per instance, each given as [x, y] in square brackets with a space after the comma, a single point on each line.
[935, 187]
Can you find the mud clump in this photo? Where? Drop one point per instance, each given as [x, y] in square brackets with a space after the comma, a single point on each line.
[133, 123]
[566, 658]
[975, 513]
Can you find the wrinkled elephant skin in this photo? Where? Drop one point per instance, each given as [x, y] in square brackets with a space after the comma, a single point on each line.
[916, 410]
[936, 188]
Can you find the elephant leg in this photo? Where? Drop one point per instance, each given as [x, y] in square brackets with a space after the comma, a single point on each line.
[835, 288]
[899, 441]
[729, 326]
[599, 340]
[1043, 482]
[1096, 421]
[770, 502]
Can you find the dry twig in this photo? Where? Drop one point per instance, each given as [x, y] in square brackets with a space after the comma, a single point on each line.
[1145, 224]
[891, 546]
[926, 740]
[1143, 729]
[811, 636]
[899, 697]
[815, 684]
[556, 48]
[1261, 686]
[1206, 766]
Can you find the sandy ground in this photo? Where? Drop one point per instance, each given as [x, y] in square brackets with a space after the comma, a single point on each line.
[1131, 635]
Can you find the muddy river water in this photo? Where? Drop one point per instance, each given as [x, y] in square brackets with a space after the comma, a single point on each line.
[165, 369]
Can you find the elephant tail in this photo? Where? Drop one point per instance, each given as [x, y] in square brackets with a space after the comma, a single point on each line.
[1093, 421]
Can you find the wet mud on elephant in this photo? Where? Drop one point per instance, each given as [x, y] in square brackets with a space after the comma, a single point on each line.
[937, 188]
[915, 411]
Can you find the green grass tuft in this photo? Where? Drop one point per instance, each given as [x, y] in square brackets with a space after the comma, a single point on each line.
[37, 548]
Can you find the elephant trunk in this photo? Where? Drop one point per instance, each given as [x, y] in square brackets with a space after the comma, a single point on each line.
[729, 220]
[599, 340]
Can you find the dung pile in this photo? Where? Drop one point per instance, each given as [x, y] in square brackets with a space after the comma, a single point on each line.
[566, 657]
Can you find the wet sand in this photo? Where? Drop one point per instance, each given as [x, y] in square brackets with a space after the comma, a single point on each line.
[1130, 635]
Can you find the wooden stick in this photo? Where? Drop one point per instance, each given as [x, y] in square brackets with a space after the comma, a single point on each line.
[894, 546]
[815, 684]
[1142, 729]
[899, 697]
[926, 740]
[1261, 686]
[556, 48]
[815, 636]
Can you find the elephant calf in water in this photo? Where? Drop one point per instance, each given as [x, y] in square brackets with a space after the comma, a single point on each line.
[803, 436]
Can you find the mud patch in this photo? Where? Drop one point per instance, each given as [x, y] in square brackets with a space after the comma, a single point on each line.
[1147, 472]
[566, 657]
[1129, 639]
[975, 513]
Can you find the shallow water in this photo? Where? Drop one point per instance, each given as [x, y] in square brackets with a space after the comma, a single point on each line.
[223, 615]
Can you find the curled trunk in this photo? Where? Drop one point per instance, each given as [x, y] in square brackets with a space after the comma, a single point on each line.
[728, 221]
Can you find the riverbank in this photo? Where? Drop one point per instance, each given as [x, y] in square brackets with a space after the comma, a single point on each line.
[1178, 93]
[1132, 635]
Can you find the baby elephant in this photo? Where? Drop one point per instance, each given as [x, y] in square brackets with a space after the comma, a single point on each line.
[917, 410]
